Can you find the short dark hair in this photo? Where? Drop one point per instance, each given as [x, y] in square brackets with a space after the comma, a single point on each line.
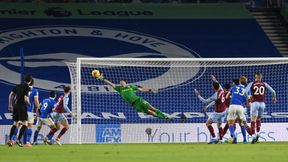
[243, 80]
[32, 82]
[52, 94]
[28, 78]
[227, 86]
[235, 81]
[258, 73]
[216, 85]
[66, 89]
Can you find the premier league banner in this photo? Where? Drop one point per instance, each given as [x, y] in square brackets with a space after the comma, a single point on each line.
[52, 35]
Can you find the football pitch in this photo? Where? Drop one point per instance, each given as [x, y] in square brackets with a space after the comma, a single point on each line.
[198, 152]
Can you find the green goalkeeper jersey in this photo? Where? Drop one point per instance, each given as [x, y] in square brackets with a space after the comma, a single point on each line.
[128, 93]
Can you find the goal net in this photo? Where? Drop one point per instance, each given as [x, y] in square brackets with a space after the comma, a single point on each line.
[104, 117]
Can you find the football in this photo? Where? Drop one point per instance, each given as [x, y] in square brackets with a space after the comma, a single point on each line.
[96, 73]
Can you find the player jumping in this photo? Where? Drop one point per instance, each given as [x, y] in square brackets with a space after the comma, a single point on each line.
[258, 88]
[59, 117]
[127, 92]
[44, 118]
[218, 100]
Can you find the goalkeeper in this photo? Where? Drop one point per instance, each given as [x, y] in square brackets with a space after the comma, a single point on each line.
[128, 94]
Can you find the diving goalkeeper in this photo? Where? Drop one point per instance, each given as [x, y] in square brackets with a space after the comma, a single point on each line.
[128, 94]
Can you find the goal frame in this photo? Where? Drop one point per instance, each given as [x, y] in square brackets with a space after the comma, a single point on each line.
[81, 59]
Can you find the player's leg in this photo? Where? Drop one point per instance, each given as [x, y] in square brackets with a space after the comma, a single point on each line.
[211, 130]
[55, 117]
[220, 120]
[143, 106]
[258, 120]
[36, 132]
[14, 126]
[254, 114]
[28, 134]
[231, 121]
[157, 112]
[242, 119]
[65, 125]
[226, 127]
[23, 117]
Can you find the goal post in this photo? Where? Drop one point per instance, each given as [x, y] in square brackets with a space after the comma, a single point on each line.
[103, 117]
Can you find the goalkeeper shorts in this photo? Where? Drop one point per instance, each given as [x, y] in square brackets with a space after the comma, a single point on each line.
[141, 105]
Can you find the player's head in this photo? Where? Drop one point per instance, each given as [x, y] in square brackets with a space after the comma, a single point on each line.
[53, 94]
[123, 82]
[235, 81]
[243, 80]
[227, 86]
[258, 76]
[32, 82]
[28, 78]
[216, 86]
[67, 90]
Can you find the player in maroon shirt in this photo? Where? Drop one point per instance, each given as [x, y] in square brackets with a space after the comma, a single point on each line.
[59, 117]
[257, 91]
[218, 115]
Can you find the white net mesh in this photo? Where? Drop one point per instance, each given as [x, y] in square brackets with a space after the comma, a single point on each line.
[176, 80]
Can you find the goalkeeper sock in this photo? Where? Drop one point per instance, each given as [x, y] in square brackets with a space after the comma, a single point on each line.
[243, 130]
[231, 129]
[159, 114]
[35, 136]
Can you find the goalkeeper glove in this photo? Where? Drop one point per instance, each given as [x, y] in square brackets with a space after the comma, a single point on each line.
[101, 77]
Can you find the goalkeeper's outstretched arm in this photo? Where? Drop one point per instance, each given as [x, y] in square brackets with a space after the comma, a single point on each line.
[109, 83]
[101, 77]
[147, 90]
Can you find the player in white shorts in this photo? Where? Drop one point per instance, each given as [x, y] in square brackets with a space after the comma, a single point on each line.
[44, 118]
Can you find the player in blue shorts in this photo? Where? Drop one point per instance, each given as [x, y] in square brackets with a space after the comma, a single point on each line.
[236, 110]
[44, 118]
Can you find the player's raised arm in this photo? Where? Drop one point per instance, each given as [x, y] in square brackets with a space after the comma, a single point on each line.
[96, 74]
[208, 100]
[272, 91]
[147, 90]
[209, 105]
[109, 83]
[213, 78]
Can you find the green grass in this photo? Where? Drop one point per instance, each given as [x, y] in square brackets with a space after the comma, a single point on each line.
[200, 152]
